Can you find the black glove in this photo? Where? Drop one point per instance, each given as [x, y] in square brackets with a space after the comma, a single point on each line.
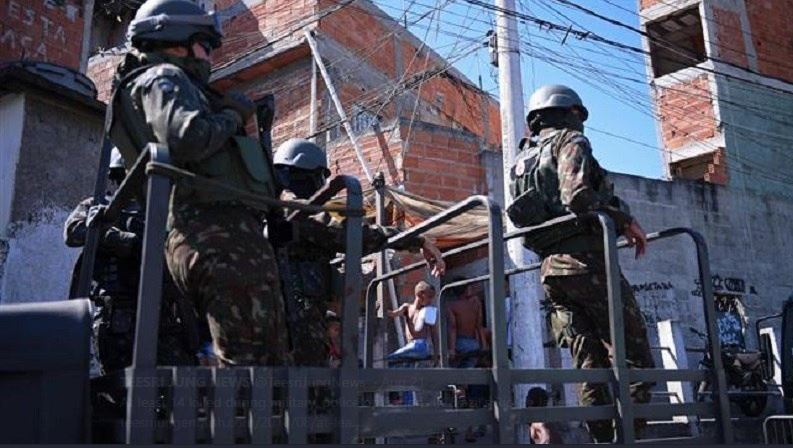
[120, 243]
[239, 103]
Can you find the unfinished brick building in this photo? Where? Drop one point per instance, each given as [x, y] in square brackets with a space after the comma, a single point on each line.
[434, 121]
[437, 132]
[723, 82]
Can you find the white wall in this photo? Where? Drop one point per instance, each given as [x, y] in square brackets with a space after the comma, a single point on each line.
[38, 265]
[12, 118]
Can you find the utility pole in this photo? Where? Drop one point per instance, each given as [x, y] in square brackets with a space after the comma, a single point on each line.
[525, 289]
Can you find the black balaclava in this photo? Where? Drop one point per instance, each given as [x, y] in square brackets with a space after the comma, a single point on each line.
[303, 183]
[557, 118]
[198, 69]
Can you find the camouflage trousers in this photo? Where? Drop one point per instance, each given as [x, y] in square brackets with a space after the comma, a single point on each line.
[580, 321]
[219, 258]
[307, 331]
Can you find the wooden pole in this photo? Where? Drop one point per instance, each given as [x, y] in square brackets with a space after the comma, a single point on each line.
[339, 108]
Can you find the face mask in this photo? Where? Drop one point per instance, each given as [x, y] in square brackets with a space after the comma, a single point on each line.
[198, 69]
[301, 183]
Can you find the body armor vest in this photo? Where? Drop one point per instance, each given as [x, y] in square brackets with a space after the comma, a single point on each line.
[241, 163]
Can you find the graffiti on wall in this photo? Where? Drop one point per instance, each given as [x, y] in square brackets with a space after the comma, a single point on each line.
[41, 30]
[656, 300]
[721, 284]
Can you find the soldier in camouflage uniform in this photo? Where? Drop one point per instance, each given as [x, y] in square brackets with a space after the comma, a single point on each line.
[556, 174]
[306, 248]
[216, 251]
[114, 288]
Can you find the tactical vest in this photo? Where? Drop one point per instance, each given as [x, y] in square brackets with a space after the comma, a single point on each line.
[242, 163]
[535, 182]
[535, 187]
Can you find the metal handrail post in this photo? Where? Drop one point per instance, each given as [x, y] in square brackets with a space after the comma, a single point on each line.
[92, 233]
[502, 405]
[142, 389]
[348, 412]
[723, 423]
[370, 325]
[625, 430]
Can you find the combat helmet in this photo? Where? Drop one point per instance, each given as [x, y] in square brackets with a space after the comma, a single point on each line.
[555, 96]
[302, 154]
[176, 21]
[300, 167]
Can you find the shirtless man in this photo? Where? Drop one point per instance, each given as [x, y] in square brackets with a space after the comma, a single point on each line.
[465, 326]
[417, 330]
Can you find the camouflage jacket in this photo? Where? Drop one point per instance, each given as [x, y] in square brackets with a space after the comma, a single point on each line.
[118, 254]
[570, 180]
[321, 237]
[309, 244]
[159, 102]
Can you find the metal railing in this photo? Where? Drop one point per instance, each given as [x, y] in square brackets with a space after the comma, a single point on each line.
[145, 382]
[778, 430]
[619, 376]
[165, 404]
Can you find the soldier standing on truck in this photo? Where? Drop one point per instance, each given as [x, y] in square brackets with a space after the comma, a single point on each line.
[306, 247]
[555, 174]
[215, 251]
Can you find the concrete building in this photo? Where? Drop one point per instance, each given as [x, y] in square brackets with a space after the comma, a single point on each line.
[51, 128]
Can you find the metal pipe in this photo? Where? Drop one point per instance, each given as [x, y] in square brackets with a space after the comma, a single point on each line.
[724, 427]
[339, 107]
[142, 390]
[348, 373]
[91, 244]
[625, 430]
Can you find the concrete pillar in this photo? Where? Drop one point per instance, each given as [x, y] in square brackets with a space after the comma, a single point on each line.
[775, 352]
[673, 355]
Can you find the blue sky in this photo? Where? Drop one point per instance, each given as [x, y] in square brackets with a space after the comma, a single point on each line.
[611, 82]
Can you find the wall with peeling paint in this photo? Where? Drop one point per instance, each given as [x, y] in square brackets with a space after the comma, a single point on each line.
[45, 172]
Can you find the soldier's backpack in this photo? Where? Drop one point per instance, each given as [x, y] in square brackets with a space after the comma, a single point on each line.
[534, 187]
[531, 205]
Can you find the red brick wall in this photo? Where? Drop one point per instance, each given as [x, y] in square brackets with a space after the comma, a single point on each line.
[42, 30]
[343, 159]
[771, 23]
[686, 112]
[101, 70]
[643, 4]
[368, 37]
[730, 45]
[361, 33]
[442, 164]
[249, 26]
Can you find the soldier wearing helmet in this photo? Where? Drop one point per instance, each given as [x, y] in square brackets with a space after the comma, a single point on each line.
[215, 250]
[305, 249]
[553, 175]
[114, 284]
